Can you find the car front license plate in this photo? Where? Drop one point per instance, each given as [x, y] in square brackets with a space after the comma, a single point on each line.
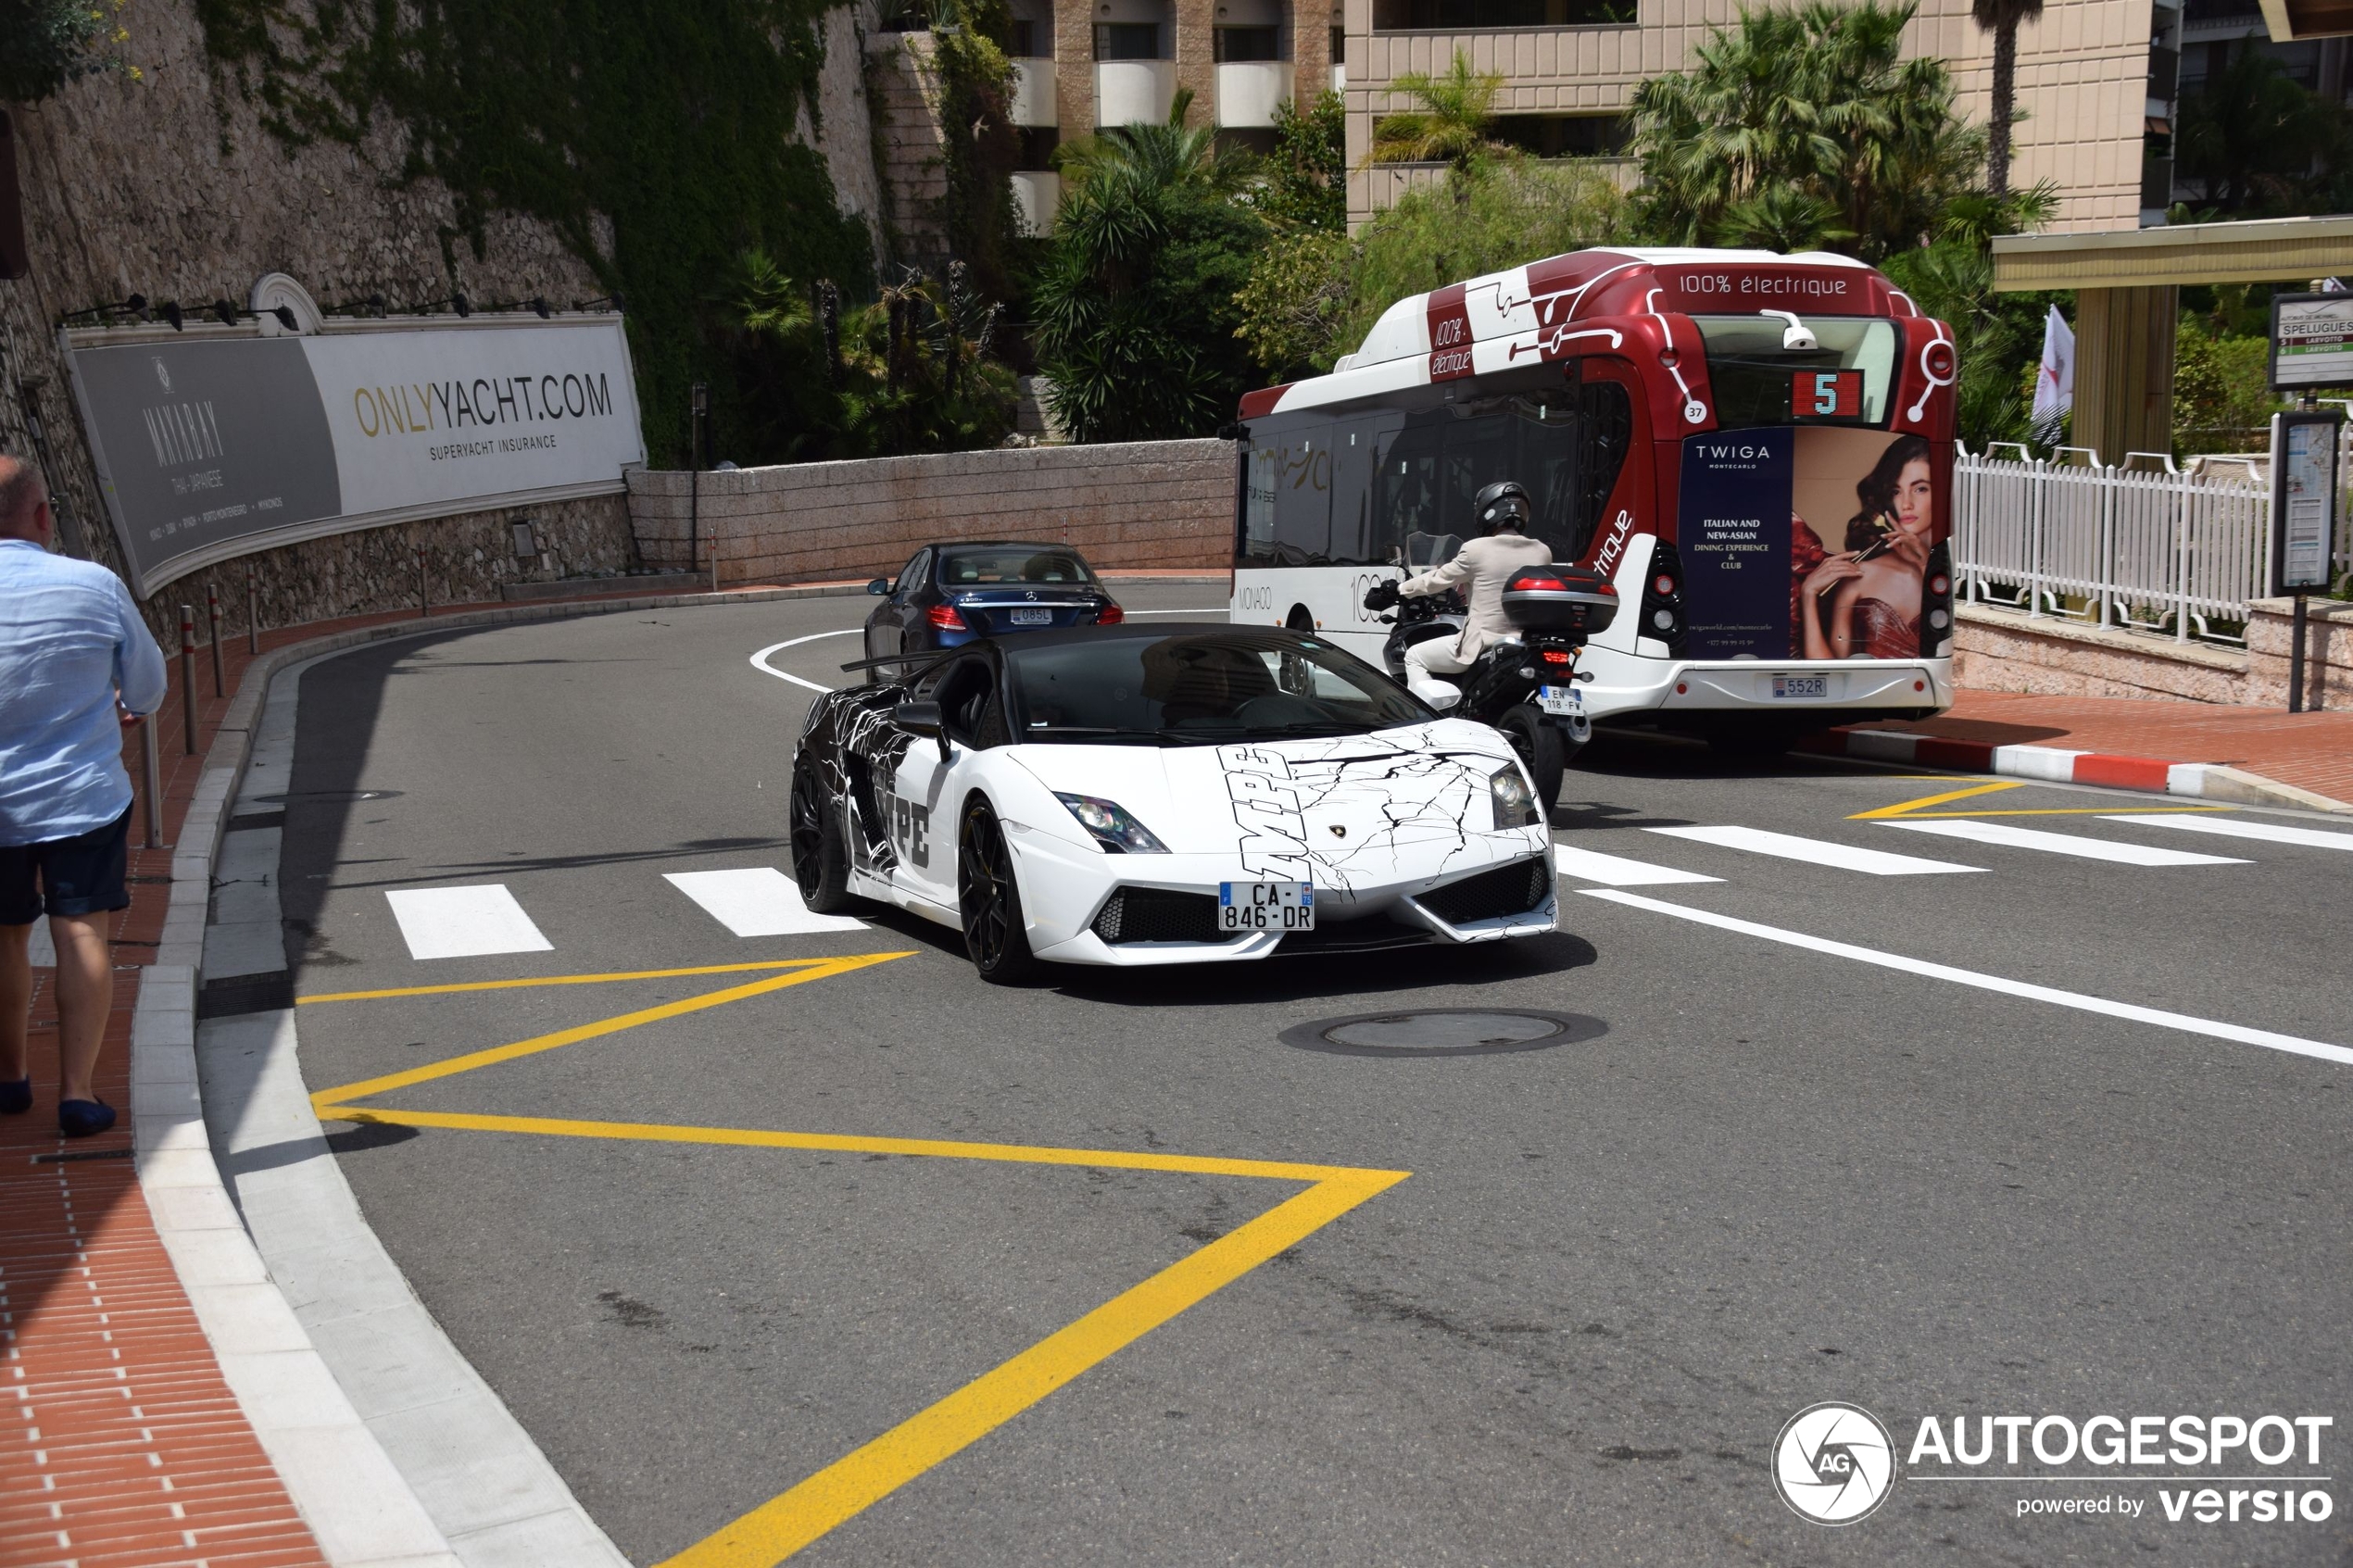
[1560, 699]
[1033, 618]
[1801, 686]
[1265, 905]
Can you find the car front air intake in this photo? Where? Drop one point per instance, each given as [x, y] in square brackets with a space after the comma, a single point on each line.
[1517, 888]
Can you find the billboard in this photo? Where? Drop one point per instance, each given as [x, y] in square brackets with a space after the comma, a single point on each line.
[214, 444]
[2311, 341]
[1812, 542]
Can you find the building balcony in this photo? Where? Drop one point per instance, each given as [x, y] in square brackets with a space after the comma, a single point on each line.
[1038, 195]
[1134, 92]
[1033, 100]
[1250, 90]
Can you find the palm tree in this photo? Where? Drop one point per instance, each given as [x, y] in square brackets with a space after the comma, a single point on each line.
[1458, 109]
[2002, 18]
[1818, 98]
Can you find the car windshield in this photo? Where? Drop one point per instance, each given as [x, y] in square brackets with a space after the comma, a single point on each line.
[1202, 687]
[992, 566]
[1844, 380]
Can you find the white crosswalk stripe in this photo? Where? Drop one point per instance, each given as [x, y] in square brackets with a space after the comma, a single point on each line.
[2009, 837]
[756, 901]
[463, 922]
[1615, 871]
[1815, 851]
[2238, 827]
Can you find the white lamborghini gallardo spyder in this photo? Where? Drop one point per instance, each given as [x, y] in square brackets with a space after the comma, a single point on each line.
[1165, 793]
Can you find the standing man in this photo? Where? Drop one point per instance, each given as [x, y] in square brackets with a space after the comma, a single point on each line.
[77, 667]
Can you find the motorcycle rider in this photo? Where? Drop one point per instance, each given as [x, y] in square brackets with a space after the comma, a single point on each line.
[1487, 563]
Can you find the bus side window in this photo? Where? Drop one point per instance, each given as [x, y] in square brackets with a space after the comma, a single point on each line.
[1258, 504]
[1605, 432]
[1357, 445]
[1405, 485]
[1479, 452]
[1303, 481]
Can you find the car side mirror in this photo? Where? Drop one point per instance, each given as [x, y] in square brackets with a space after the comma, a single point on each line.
[879, 587]
[922, 719]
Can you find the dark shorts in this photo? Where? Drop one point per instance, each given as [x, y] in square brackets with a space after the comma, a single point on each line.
[82, 875]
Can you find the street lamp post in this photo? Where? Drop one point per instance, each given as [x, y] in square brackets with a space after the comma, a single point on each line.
[701, 405]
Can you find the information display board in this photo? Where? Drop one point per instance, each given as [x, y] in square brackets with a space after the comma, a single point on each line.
[2311, 341]
[2304, 498]
[217, 443]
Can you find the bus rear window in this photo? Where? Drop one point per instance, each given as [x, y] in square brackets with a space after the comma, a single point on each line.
[1757, 381]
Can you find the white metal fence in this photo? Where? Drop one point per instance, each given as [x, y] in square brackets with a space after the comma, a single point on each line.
[2147, 547]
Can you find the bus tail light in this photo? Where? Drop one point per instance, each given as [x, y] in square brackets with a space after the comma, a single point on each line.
[948, 618]
[1110, 615]
[1662, 598]
[1936, 606]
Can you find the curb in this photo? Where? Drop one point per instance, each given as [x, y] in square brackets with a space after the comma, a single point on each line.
[2205, 780]
[361, 1510]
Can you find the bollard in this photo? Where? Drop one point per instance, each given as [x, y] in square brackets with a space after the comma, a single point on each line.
[253, 615]
[154, 778]
[188, 673]
[212, 608]
[425, 605]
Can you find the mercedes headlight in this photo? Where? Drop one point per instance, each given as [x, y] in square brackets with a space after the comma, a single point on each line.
[1514, 802]
[1118, 833]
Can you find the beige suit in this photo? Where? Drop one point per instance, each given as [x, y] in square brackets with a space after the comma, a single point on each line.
[1487, 564]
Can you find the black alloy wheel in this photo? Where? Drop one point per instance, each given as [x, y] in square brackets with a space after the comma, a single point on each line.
[820, 863]
[990, 900]
[1541, 749]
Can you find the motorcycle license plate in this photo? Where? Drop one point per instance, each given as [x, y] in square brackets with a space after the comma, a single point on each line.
[1265, 905]
[1801, 686]
[1033, 618]
[1560, 699]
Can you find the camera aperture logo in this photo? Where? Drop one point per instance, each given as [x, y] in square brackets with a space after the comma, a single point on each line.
[1833, 1464]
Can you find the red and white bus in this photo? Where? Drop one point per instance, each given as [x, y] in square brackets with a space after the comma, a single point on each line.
[1756, 449]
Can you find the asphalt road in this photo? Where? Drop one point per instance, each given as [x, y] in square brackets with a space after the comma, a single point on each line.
[1770, 1175]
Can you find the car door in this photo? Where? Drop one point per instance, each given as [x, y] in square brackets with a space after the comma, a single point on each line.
[928, 789]
[887, 628]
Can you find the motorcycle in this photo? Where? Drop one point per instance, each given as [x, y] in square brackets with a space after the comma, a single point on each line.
[1524, 684]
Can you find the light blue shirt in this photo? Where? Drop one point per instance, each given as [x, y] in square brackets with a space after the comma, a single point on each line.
[70, 639]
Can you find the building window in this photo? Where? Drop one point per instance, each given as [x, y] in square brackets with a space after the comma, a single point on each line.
[1339, 45]
[1563, 135]
[1038, 143]
[1479, 16]
[1243, 44]
[1026, 41]
[1127, 40]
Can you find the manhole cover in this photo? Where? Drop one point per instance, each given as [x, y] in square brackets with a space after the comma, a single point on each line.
[1442, 1031]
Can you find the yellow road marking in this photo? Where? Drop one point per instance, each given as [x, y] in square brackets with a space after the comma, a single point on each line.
[550, 979]
[783, 1526]
[1905, 808]
[832, 1142]
[820, 970]
[2071, 812]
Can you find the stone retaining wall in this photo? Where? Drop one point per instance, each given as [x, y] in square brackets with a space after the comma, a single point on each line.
[1156, 504]
[2001, 650]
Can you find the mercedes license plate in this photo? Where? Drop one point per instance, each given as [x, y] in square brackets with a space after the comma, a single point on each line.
[1801, 686]
[1265, 905]
[1033, 618]
[1560, 699]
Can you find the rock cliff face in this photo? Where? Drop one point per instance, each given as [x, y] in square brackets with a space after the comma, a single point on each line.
[171, 187]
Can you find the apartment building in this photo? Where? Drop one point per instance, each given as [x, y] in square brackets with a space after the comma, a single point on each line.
[1081, 65]
[2095, 78]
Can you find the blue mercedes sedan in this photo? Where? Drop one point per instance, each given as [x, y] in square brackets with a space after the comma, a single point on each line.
[947, 595]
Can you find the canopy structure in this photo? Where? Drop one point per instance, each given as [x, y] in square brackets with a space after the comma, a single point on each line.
[2128, 295]
[2290, 21]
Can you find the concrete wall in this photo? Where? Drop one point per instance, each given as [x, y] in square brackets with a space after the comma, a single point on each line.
[2000, 650]
[1160, 504]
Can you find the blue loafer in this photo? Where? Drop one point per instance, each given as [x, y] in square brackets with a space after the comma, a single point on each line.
[16, 1098]
[83, 1118]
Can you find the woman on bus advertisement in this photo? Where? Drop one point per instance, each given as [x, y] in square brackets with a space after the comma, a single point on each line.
[1864, 601]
